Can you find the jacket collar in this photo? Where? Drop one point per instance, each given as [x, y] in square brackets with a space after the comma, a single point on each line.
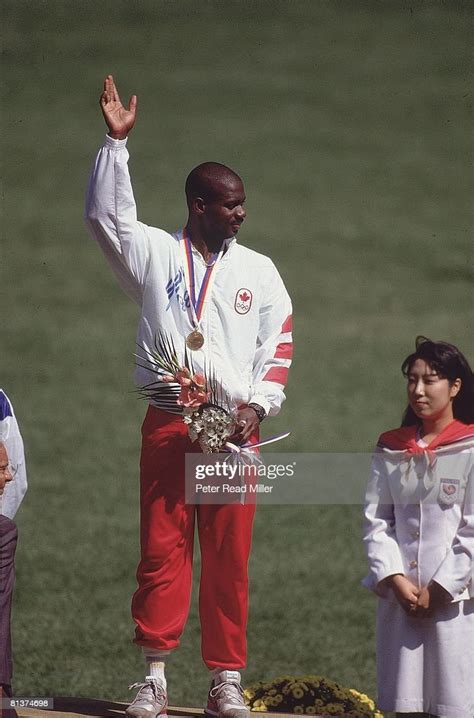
[229, 243]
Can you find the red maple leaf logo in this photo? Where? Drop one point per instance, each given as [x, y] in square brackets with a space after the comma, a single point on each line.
[244, 296]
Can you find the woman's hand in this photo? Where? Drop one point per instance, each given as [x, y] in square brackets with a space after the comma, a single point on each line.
[424, 607]
[431, 597]
[405, 592]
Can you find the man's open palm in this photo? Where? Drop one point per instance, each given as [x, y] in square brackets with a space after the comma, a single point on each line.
[119, 119]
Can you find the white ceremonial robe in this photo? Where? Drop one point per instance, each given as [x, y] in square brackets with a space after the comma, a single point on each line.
[420, 523]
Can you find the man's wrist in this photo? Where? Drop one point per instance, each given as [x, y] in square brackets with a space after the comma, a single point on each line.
[259, 410]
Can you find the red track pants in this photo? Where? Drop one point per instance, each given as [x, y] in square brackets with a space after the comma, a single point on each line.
[160, 605]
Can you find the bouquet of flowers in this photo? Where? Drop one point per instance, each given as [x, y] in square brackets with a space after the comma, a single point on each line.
[208, 411]
[309, 695]
[211, 425]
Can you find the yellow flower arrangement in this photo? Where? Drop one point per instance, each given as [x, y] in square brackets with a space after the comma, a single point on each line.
[309, 695]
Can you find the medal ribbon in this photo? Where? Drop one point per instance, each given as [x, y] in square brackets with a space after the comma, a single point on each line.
[197, 305]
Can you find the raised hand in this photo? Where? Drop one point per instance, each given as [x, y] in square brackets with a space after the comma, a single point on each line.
[118, 118]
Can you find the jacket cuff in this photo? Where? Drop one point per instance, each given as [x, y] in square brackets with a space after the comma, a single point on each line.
[457, 586]
[375, 583]
[114, 144]
[261, 401]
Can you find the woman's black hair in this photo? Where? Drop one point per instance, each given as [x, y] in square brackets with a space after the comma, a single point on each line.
[450, 364]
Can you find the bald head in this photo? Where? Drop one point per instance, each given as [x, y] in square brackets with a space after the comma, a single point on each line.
[5, 474]
[210, 181]
[215, 195]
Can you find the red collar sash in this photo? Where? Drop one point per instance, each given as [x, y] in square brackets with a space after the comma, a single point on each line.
[405, 438]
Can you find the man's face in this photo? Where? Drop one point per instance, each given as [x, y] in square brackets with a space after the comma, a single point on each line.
[221, 217]
[5, 474]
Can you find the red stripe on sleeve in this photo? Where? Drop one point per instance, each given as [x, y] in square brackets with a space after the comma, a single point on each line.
[278, 374]
[284, 350]
[287, 324]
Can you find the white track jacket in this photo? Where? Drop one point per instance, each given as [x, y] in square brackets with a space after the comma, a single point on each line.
[246, 319]
[10, 436]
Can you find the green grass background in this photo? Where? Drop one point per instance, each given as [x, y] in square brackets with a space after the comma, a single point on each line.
[350, 123]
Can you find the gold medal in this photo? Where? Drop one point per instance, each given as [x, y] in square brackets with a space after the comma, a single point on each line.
[195, 340]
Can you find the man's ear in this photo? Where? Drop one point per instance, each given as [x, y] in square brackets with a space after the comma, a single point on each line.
[199, 205]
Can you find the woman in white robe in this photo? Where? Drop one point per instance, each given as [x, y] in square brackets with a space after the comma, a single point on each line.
[419, 536]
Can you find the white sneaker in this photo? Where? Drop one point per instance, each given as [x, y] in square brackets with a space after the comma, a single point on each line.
[226, 697]
[151, 700]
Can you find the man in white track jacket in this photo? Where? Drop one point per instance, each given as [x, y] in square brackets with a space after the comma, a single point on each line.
[225, 305]
[13, 486]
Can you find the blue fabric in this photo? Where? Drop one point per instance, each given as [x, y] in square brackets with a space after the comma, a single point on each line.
[5, 408]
